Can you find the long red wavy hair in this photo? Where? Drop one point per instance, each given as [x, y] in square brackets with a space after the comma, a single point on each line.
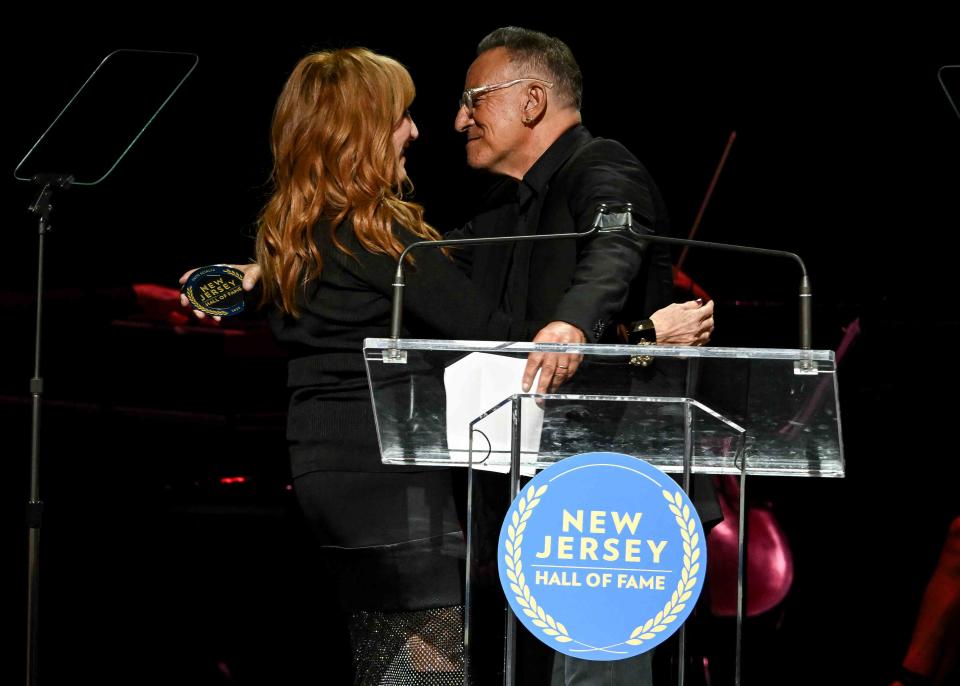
[334, 159]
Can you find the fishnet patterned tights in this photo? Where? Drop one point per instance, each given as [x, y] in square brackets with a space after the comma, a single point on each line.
[419, 648]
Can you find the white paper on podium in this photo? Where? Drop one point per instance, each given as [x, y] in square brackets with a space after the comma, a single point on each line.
[475, 384]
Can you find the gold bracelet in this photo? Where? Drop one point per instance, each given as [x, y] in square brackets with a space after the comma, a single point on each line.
[642, 332]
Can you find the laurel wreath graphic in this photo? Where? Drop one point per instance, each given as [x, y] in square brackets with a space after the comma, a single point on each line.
[555, 629]
[688, 575]
[518, 582]
[197, 306]
[191, 296]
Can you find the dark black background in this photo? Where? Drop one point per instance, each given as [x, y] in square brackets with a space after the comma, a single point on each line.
[847, 152]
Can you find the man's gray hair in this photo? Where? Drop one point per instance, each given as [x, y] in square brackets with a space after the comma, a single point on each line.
[538, 54]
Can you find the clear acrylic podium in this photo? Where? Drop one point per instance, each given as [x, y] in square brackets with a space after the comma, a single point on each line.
[688, 410]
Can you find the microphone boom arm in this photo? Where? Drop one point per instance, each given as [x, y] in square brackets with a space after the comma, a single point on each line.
[806, 292]
[602, 224]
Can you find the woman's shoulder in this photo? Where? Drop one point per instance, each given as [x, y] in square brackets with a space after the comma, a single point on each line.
[343, 251]
[343, 234]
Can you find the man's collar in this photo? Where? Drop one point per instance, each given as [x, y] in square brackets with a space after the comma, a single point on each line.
[543, 169]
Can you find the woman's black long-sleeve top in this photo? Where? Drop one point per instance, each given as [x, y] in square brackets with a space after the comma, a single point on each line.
[351, 301]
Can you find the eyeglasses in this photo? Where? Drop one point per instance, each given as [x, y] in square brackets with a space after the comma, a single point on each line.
[467, 99]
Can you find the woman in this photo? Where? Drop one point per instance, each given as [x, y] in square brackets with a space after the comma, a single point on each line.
[327, 245]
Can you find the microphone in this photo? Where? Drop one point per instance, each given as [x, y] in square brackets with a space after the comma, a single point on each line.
[619, 217]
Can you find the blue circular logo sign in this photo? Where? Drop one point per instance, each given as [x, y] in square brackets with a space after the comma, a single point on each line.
[602, 556]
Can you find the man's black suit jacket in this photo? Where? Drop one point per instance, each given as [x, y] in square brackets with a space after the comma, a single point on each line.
[590, 283]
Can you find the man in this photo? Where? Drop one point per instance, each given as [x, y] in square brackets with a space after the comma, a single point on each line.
[520, 113]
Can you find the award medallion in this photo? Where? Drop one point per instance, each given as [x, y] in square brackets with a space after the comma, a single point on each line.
[216, 290]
